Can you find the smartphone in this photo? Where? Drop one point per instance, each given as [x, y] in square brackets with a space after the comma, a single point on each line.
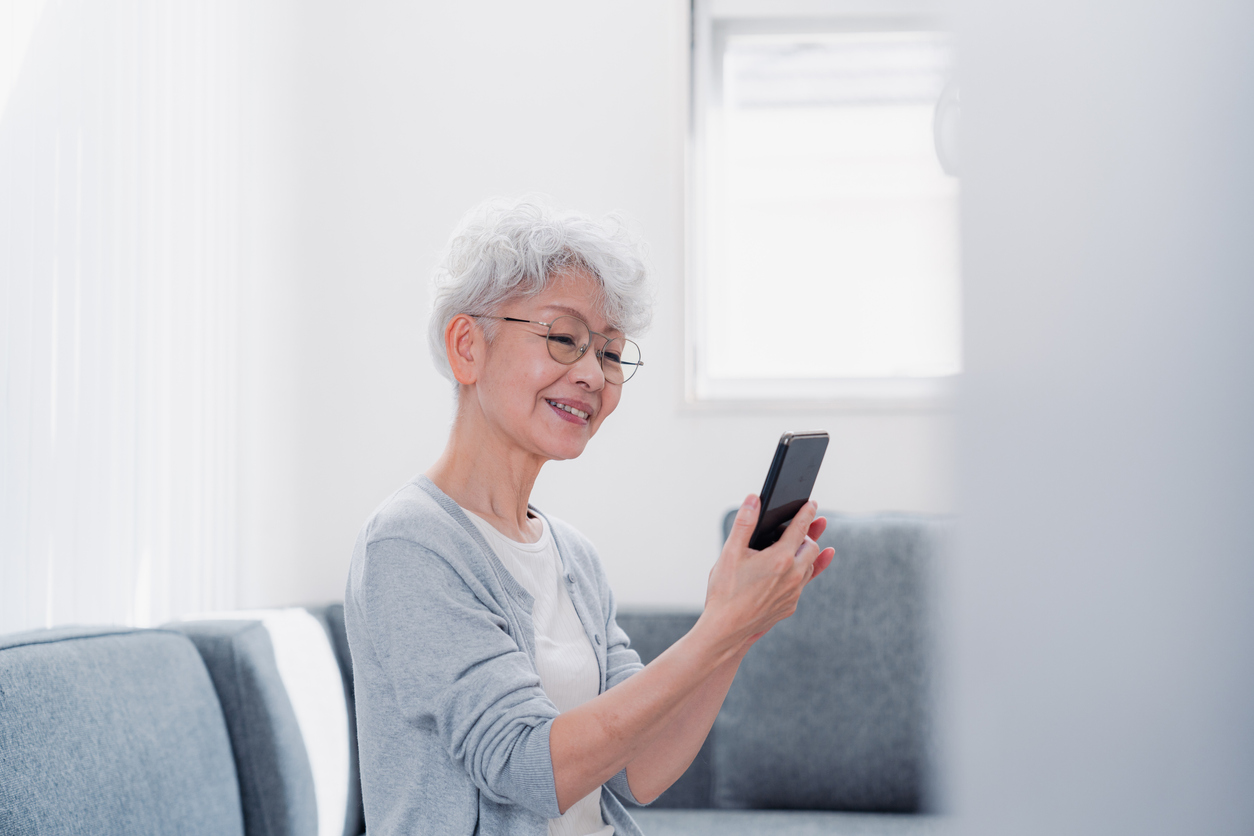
[788, 484]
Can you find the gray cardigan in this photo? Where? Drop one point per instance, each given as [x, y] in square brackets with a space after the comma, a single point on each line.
[452, 724]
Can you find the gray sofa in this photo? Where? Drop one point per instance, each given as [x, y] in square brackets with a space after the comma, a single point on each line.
[189, 729]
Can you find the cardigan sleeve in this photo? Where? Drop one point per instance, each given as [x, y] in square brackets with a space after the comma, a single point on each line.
[621, 662]
[452, 664]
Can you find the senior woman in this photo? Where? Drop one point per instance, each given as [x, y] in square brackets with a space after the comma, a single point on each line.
[495, 692]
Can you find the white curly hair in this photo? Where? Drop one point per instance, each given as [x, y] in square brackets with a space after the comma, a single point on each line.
[508, 249]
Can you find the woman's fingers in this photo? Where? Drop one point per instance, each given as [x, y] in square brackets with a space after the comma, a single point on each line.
[825, 555]
[806, 544]
[795, 534]
[817, 528]
[822, 562]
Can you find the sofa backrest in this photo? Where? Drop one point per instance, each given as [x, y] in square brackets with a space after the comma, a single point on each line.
[830, 710]
[276, 781]
[112, 730]
[284, 677]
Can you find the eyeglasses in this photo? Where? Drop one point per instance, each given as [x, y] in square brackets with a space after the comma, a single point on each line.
[568, 339]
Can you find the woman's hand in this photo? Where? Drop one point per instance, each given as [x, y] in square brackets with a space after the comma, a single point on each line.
[751, 591]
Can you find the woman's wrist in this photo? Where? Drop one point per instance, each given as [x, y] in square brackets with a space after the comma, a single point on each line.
[720, 640]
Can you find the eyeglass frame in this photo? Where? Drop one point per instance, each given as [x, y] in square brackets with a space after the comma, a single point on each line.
[600, 354]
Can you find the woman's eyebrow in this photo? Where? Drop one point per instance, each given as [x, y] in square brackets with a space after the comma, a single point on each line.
[566, 309]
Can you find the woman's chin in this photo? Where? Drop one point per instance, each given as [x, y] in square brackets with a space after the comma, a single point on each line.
[566, 452]
[563, 437]
[560, 449]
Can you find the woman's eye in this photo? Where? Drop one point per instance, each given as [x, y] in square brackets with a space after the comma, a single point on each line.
[612, 357]
[562, 340]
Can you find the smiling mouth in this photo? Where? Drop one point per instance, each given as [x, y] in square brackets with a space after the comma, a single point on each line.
[579, 413]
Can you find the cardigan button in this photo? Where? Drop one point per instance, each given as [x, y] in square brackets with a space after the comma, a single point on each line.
[597, 637]
[570, 577]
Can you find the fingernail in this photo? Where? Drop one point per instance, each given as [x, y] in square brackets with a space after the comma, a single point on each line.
[751, 501]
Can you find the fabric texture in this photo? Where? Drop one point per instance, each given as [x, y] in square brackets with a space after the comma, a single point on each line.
[331, 616]
[651, 633]
[829, 710]
[453, 725]
[565, 660]
[276, 784]
[112, 731]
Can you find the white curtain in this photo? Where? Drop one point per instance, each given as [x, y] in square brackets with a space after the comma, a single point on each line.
[119, 295]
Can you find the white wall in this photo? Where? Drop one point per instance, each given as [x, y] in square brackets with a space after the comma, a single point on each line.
[1102, 605]
[271, 351]
[409, 114]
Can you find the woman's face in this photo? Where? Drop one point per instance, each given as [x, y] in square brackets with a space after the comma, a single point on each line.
[526, 394]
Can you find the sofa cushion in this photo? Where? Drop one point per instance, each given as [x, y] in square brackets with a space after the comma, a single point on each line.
[830, 709]
[112, 731]
[276, 783]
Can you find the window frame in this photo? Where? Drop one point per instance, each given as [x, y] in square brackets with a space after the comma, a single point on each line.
[710, 23]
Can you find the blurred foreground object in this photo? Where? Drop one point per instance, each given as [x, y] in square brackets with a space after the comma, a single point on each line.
[1101, 611]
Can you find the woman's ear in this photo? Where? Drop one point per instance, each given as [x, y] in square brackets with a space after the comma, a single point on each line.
[463, 340]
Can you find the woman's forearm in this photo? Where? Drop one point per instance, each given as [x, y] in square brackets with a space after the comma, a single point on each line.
[592, 743]
[662, 763]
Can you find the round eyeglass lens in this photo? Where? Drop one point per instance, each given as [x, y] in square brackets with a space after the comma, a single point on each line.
[619, 360]
[568, 339]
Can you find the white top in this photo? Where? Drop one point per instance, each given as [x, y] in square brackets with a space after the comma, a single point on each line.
[564, 657]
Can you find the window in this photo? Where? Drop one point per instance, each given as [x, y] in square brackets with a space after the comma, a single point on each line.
[824, 248]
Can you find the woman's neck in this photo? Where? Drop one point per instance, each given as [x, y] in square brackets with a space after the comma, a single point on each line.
[488, 476]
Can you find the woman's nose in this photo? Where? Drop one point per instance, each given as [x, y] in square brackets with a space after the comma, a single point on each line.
[587, 370]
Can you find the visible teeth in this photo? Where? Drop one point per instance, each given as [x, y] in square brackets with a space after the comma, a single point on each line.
[570, 409]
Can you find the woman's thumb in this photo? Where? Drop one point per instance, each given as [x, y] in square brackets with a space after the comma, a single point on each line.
[746, 520]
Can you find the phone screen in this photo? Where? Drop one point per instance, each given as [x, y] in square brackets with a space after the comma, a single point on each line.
[788, 484]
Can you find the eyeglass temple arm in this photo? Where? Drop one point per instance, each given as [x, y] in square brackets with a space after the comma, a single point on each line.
[506, 318]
